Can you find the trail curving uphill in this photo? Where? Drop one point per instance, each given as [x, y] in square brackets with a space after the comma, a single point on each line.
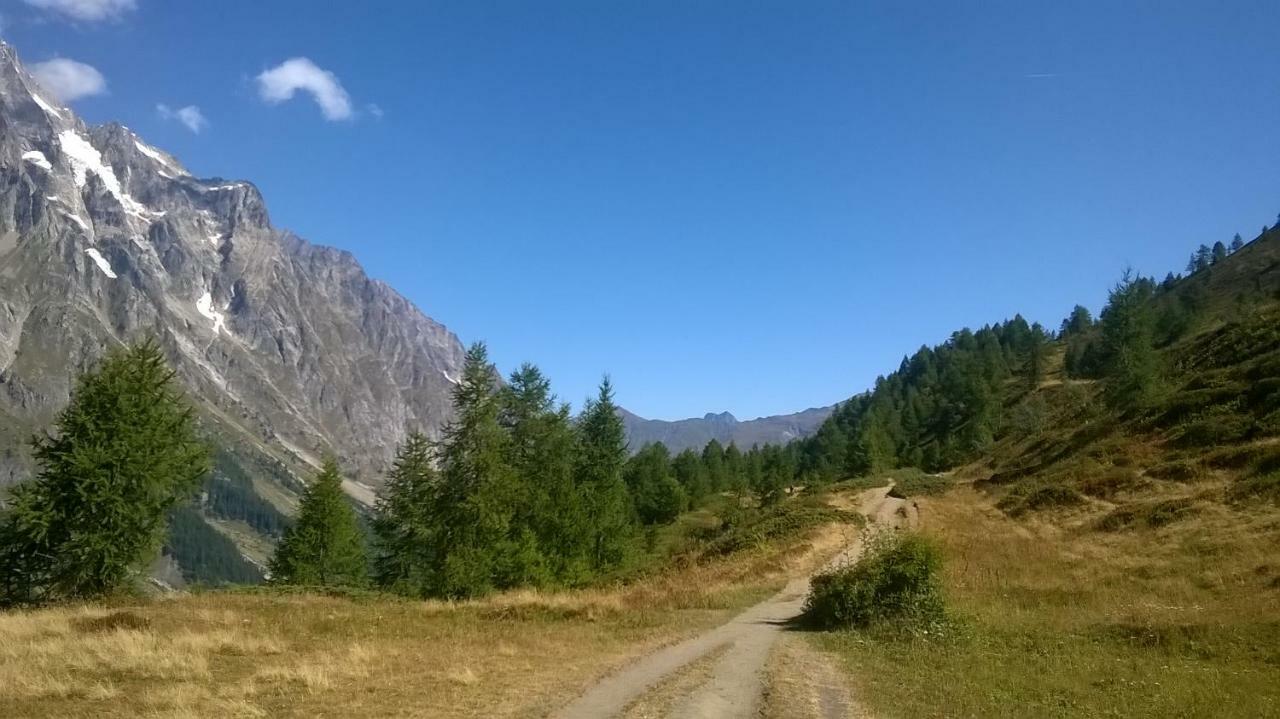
[736, 684]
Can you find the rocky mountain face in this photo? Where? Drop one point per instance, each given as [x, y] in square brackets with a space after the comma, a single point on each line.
[694, 433]
[290, 348]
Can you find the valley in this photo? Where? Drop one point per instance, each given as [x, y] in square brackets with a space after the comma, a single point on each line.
[241, 477]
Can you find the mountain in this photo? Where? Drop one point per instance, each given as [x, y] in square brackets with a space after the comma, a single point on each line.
[694, 433]
[289, 348]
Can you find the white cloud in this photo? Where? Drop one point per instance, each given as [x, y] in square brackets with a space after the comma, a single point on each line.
[189, 116]
[374, 110]
[86, 10]
[69, 80]
[281, 82]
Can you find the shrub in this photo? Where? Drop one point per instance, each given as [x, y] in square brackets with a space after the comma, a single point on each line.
[1111, 482]
[912, 482]
[1150, 515]
[1038, 496]
[788, 519]
[895, 581]
[1262, 486]
[1179, 470]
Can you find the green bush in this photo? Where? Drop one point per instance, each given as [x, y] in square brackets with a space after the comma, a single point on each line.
[896, 581]
[911, 482]
[1261, 486]
[1179, 470]
[1034, 497]
[1147, 515]
[789, 519]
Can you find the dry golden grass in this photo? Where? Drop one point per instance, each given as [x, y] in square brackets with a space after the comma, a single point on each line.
[272, 655]
[1058, 619]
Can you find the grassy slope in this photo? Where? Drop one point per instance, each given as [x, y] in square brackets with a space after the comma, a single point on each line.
[264, 653]
[1109, 563]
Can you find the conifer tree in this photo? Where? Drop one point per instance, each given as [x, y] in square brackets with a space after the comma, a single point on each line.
[122, 454]
[1236, 243]
[1218, 253]
[1129, 357]
[734, 480]
[691, 473]
[713, 463]
[324, 547]
[541, 453]
[406, 524]
[658, 497]
[602, 452]
[479, 490]
[1036, 356]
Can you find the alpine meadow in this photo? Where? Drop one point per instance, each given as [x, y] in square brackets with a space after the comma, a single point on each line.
[241, 477]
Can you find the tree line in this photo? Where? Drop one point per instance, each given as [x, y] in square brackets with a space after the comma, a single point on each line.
[517, 492]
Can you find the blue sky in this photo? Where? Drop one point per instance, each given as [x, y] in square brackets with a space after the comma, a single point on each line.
[753, 207]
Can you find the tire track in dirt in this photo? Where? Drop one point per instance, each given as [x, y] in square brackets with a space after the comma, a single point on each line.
[737, 682]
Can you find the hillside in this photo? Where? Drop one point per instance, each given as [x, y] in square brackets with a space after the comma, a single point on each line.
[1106, 547]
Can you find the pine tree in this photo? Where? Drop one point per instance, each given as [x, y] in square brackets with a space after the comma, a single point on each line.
[1236, 243]
[713, 462]
[541, 453]
[1203, 257]
[734, 480]
[1129, 357]
[658, 497]
[122, 454]
[602, 452]
[479, 488]
[691, 473]
[1036, 357]
[1077, 323]
[324, 547]
[1218, 253]
[406, 524]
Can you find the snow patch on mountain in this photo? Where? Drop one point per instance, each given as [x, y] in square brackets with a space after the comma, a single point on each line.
[158, 157]
[204, 306]
[85, 158]
[38, 159]
[50, 109]
[78, 220]
[101, 262]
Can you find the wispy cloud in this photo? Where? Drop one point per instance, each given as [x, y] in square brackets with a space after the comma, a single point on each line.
[190, 116]
[373, 109]
[86, 10]
[280, 83]
[1042, 75]
[69, 80]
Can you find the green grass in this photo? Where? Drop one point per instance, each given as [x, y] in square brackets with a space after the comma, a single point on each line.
[985, 670]
[1177, 620]
[912, 482]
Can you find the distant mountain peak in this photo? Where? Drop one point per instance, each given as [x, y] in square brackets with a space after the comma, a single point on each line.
[695, 432]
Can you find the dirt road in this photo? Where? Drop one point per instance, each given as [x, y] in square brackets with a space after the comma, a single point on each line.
[735, 683]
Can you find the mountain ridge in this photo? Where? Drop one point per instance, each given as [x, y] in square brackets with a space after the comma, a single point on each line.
[695, 432]
[290, 348]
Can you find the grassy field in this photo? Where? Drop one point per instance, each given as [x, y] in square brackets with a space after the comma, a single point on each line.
[269, 654]
[1054, 617]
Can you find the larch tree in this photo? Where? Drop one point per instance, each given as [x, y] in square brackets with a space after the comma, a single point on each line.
[602, 453]
[1130, 362]
[406, 521]
[122, 454]
[324, 547]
